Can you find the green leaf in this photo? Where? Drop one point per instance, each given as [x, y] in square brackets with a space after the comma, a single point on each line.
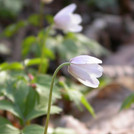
[9, 106]
[43, 35]
[87, 106]
[8, 129]
[90, 45]
[33, 129]
[68, 49]
[34, 19]
[35, 61]
[14, 28]
[75, 44]
[4, 121]
[49, 53]
[127, 102]
[77, 97]
[27, 43]
[43, 79]
[49, 19]
[23, 100]
[11, 66]
[43, 86]
[36, 129]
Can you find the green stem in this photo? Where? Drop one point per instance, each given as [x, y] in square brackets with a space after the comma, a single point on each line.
[43, 47]
[50, 94]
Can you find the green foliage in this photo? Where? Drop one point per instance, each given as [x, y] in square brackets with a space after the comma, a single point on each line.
[49, 19]
[73, 45]
[10, 8]
[11, 66]
[25, 101]
[77, 97]
[13, 28]
[3, 121]
[32, 129]
[34, 45]
[8, 129]
[26, 92]
[37, 61]
[128, 102]
[28, 42]
[87, 105]
[34, 19]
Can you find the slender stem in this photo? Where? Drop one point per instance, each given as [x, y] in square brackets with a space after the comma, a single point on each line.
[50, 94]
[43, 47]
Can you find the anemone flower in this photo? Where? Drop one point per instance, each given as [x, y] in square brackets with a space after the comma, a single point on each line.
[86, 69]
[67, 21]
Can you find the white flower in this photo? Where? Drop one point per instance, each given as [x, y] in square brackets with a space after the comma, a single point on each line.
[86, 69]
[67, 21]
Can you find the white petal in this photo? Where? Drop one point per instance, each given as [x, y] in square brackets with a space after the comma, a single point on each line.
[75, 28]
[83, 76]
[67, 10]
[85, 59]
[92, 69]
[76, 18]
[94, 83]
[62, 22]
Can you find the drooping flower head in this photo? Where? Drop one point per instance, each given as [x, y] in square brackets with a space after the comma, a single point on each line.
[67, 21]
[86, 69]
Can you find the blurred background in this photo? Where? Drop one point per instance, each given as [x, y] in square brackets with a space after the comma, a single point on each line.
[108, 33]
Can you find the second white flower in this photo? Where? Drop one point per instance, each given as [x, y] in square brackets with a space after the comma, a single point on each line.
[67, 21]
